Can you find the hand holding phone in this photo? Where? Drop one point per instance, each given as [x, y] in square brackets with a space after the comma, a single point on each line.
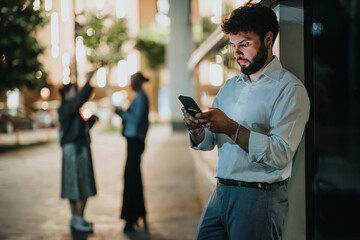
[190, 105]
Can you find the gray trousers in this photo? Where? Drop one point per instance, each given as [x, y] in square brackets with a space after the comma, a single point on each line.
[240, 213]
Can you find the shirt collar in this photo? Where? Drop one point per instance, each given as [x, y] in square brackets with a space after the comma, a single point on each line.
[272, 70]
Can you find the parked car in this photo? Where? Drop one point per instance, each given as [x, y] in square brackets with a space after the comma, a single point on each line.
[12, 119]
[46, 113]
[46, 118]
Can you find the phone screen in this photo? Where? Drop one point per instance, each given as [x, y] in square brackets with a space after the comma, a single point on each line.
[190, 105]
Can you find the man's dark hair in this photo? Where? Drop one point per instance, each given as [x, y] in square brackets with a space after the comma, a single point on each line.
[255, 18]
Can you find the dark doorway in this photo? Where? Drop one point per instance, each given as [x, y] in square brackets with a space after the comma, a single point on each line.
[332, 72]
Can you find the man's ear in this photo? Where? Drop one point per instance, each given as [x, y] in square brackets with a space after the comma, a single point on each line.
[268, 40]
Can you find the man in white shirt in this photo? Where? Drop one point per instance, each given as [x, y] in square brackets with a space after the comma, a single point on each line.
[257, 121]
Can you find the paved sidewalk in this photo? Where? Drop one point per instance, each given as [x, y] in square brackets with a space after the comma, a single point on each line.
[24, 137]
[30, 207]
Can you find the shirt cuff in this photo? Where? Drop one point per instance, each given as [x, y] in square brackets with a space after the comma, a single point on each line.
[204, 144]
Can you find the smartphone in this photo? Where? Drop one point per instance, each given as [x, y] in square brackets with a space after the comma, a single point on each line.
[190, 105]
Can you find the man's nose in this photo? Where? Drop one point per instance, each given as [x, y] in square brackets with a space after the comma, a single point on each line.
[238, 53]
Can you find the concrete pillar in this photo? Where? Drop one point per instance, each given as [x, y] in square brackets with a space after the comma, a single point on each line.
[289, 47]
[178, 53]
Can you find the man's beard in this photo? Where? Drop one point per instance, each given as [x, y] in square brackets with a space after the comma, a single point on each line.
[257, 62]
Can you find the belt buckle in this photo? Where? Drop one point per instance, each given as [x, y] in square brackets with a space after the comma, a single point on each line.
[267, 186]
[219, 182]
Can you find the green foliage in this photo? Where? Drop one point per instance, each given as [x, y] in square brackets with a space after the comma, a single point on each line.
[19, 49]
[151, 42]
[229, 60]
[203, 30]
[208, 26]
[104, 36]
[153, 51]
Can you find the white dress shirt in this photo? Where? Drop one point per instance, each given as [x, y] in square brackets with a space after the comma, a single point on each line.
[275, 108]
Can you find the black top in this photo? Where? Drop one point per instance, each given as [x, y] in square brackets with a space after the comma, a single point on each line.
[72, 126]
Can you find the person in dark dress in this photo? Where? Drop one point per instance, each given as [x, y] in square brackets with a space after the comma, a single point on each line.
[78, 182]
[135, 126]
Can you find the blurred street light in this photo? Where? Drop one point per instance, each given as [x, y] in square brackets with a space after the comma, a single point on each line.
[36, 5]
[100, 4]
[13, 98]
[216, 7]
[80, 50]
[38, 74]
[216, 74]
[117, 99]
[45, 93]
[122, 73]
[132, 64]
[218, 59]
[48, 5]
[54, 35]
[120, 8]
[66, 59]
[101, 77]
[162, 19]
[161, 16]
[163, 6]
[66, 68]
[86, 113]
[64, 10]
[217, 10]
[44, 105]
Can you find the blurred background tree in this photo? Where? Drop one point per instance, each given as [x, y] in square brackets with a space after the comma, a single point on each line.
[151, 42]
[203, 29]
[19, 49]
[104, 36]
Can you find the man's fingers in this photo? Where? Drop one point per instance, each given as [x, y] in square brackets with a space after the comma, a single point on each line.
[206, 113]
[190, 121]
[189, 117]
[191, 125]
[202, 121]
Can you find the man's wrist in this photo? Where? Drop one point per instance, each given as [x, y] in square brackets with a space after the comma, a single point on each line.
[195, 134]
[236, 134]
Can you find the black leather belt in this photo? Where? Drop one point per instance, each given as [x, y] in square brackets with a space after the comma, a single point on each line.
[258, 185]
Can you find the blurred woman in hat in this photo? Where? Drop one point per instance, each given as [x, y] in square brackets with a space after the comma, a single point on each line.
[135, 125]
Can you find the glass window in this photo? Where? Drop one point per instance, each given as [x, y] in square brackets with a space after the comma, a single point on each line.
[332, 66]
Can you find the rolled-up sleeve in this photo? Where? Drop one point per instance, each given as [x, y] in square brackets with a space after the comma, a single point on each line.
[287, 124]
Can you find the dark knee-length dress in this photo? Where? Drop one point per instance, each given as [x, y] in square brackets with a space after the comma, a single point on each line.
[78, 181]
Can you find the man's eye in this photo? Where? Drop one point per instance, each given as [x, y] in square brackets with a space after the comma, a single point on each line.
[245, 45]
